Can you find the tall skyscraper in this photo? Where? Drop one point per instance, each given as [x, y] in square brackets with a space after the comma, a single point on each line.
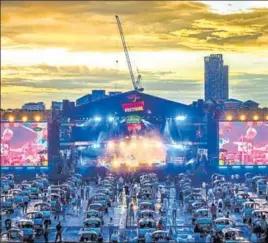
[216, 78]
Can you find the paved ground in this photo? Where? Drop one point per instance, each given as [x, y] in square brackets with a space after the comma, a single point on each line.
[181, 227]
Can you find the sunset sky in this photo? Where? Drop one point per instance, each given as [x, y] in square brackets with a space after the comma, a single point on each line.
[63, 50]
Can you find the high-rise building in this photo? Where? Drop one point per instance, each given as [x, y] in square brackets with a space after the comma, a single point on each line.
[39, 106]
[216, 78]
[56, 106]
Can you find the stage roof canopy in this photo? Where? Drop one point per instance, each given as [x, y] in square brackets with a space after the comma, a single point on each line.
[137, 103]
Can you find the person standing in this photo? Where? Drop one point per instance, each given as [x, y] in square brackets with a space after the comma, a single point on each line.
[25, 204]
[181, 198]
[64, 208]
[82, 191]
[87, 191]
[59, 232]
[57, 210]
[131, 212]
[174, 211]
[78, 204]
[46, 232]
[213, 210]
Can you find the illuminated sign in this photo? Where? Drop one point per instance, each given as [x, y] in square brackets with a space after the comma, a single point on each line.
[133, 119]
[135, 106]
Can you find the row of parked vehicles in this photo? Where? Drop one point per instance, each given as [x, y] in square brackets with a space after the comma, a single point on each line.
[148, 216]
[98, 205]
[202, 218]
[42, 196]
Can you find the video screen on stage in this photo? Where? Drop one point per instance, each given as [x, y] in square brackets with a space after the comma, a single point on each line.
[243, 143]
[24, 144]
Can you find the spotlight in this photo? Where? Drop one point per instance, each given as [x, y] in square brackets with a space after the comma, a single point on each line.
[229, 118]
[256, 118]
[116, 163]
[96, 145]
[178, 146]
[24, 118]
[242, 117]
[110, 145]
[122, 144]
[180, 118]
[97, 118]
[145, 144]
[158, 144]
[133, 145]
[37, 118]
[266, 117]
[110, 119]
[11, 118]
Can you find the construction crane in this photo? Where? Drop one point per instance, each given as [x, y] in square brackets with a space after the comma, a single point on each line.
[136, 83]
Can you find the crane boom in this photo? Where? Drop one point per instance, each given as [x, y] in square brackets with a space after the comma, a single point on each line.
[136, 85]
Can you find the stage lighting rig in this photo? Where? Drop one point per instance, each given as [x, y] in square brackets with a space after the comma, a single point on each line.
[180, 118]
[97, 118]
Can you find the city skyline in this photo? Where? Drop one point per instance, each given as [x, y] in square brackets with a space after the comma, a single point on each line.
[46, 57]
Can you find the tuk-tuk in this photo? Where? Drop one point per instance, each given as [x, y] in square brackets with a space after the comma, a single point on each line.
[221, 223]
[27, 227]
[101, 198]
[26, 188]
[96, 206]
[34, 191]
[240, 198]
[227, 201]
[202, 213]
[94, 214]
[144, 226]
[257, 215]
[261, 187]
[146, 197]
[45, 209]
[57, 190]
[88, 236]
[233, 235]
[254, 182]
[4, 185]
[203, 226]
[93, 224]
[146, 191]
[106, 191]
[198, 204]
[248, 208]
[17, 196]
[161, 236]
[193, 197]
[146, 205]
[54, 198]
[12, 236]
[38, 219]
[249, 179]
[7, 204]
[186, 192]
[150, 214]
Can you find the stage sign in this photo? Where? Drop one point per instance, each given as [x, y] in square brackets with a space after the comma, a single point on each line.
[134, 119]
[243, 143]
[135, 106]
[24, 144]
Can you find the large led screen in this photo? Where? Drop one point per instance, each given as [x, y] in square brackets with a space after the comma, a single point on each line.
[243, 143]
[24, 144]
